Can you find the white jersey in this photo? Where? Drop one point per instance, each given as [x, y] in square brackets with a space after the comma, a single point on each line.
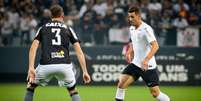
[141, 38]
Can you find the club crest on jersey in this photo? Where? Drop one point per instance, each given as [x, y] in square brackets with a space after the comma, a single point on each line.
[57, 54]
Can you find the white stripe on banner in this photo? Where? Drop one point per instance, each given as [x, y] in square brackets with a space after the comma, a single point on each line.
[72, 31]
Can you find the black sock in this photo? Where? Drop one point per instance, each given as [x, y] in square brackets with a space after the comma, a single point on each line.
[29, 95]
[118, 99]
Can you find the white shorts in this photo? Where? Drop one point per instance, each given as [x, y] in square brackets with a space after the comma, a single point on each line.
[62, 72]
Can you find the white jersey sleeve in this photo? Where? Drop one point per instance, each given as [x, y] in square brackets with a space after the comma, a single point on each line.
[149, 34]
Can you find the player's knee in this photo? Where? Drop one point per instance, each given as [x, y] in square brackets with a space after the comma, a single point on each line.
[72, 89]
[121, 85]
[155, 93]
[31, 87]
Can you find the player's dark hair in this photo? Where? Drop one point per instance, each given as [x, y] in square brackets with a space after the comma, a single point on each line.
[56, 11]
[134, 9]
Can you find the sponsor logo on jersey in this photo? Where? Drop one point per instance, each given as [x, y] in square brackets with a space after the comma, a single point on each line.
[55, 24]
[57, 54]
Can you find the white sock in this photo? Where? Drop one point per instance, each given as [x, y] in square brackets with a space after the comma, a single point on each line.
[162, 97]
[120, 94]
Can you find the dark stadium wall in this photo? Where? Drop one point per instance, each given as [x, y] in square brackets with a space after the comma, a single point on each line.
[176, 66]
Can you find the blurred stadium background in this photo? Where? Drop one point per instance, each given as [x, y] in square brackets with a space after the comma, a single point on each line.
[102, 28]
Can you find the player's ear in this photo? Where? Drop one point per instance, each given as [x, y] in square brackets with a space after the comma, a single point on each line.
[62, 16]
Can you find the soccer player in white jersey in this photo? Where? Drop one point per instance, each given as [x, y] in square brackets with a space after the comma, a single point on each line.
[140, 56]
[55, 61]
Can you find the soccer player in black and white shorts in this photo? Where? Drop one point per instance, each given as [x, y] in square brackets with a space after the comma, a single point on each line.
[55, 38]
[140, 55]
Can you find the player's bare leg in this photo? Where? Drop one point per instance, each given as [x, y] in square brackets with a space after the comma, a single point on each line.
[74, 94]
[30, 92]
[124, 82]
[156, 93]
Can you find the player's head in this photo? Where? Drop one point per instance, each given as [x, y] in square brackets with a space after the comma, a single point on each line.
[134, 16]
[57, 11]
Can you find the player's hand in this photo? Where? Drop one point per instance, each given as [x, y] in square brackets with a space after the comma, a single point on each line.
[31, 75]
[86, 77]
[145, 64]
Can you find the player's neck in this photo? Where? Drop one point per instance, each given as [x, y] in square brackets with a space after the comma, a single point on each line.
[138, 24]
[57, 19]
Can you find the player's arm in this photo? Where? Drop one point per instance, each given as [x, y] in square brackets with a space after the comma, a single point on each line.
[154, 49]
[32, 55]
[151, 53]
[81, 59]
[130, 53]
[80, 56]
[75, 41]
[153, 44]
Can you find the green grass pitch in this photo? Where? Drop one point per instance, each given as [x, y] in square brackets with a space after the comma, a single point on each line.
[15, 92]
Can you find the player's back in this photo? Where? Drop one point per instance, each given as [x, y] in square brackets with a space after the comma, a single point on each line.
[55, 37]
